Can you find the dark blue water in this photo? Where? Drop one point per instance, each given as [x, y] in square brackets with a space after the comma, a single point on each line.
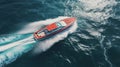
[95, 43]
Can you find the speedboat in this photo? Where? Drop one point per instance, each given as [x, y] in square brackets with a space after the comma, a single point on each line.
[54, 28]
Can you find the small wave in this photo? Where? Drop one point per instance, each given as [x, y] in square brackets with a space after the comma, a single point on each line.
[95, 10]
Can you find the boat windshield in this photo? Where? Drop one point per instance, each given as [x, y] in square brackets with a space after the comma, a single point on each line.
[61, 23]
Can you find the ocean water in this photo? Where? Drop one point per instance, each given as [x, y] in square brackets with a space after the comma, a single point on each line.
[93, 41]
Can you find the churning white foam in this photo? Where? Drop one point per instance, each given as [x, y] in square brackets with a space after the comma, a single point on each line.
[20, 42]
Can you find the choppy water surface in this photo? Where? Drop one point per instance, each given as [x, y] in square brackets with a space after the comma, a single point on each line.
[94, 41]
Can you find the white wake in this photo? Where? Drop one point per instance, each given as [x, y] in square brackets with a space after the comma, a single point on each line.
[13, 50]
